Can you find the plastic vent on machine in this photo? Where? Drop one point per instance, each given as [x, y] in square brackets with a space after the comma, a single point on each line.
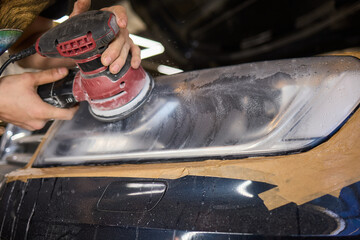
[76, 46]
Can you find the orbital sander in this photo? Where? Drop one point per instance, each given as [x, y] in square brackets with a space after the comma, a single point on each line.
[84, 38]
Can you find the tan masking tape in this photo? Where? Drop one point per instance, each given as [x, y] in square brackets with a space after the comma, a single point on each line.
[299, 177]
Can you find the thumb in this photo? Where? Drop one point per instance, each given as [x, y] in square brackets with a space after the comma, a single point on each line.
[60, 113]
[49, 76]
[80, 6]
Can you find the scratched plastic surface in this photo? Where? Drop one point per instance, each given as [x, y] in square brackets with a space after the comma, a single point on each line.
[254, 109]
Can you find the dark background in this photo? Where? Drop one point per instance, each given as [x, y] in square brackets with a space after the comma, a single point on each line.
[200, 34]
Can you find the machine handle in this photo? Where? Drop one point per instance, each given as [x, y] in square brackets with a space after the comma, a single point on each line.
[59, 93]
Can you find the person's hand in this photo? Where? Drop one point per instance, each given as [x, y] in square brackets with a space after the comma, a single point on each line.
[21, 105]
[114, 56]
[80, 6]
[116, 53]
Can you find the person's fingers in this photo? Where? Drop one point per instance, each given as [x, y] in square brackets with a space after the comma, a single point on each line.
[80, 6]
[64, 114]
[39, 115]
[115, 55]
[113, 50]
[120, 14]
[21, 105]
[24, 125]
[35, 125]
[135, 55]
[48, 76]
[50, 112]
[116, 66]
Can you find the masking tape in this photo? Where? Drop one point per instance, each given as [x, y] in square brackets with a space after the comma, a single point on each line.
[299, 178]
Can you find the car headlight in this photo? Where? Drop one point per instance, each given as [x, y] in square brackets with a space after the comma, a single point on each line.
[262, 108]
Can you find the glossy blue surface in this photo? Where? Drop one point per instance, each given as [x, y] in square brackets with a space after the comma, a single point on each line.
[190, 208]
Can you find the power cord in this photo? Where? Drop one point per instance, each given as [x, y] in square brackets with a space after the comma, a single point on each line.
[17, 56]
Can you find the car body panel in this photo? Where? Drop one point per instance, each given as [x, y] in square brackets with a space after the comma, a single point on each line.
[317, 176]
[310, 193]
[215, 205]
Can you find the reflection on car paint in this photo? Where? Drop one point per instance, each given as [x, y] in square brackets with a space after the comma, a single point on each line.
[192, 206]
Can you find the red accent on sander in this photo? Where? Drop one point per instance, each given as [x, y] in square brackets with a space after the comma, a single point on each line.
[84, 38]
[104, 94]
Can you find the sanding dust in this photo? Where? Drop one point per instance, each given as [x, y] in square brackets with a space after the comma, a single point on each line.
[299, 178]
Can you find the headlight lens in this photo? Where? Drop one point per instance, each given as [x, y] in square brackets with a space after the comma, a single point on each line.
[9, 143]
[246, 110]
